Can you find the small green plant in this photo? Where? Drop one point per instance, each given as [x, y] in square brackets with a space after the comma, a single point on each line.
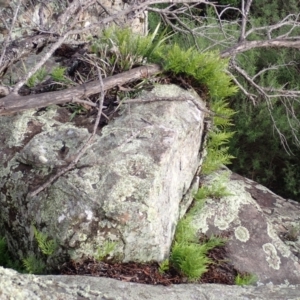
[39, 76]
[188, 255]
[123, 49]
[246, 279]
[47, 246]
[104, 250]
[293, 233]
[4, 257]
[58, 74]
[164, 266]
[216, 190]
[76, 109]
[33, 265]
[191, 258]
[219, 137]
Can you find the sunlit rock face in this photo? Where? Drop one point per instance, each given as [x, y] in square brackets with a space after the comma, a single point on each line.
[127, 188]
[257, 224]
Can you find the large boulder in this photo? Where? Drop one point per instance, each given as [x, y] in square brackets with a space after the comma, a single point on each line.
[17, 286]
[130, 186]
[258, 225]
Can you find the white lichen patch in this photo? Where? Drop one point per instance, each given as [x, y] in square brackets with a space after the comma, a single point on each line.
[262, 188]
[19, 128]
[89, 215]
[271, 232]
[272, 258]
[242, 234]
[43, 159]
[224, 211]
[61, 218]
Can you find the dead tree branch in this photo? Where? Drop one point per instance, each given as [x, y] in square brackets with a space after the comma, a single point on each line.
[15, 103]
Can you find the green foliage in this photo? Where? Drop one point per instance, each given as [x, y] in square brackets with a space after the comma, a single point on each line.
[206, 68]
[258, 149]
[164, 266]
[293, 233]
[104, 250]
[47, 246]
[124, 49]
[219, 137]
[191, 258]
[187, 255]
[216, 190]
[39, 76]
[58, 74]
[247, 279]
[4, 257]
[33, 265]
[121, 49]
[185, 232]
[76, 109]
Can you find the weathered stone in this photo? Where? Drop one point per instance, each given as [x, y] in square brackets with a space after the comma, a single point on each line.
[17, 286]
[44, 17]
[253, 219]
[127, 188]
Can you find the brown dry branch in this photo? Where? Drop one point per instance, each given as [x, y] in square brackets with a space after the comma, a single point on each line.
[15, 103]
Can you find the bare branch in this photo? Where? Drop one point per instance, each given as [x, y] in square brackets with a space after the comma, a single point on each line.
[248, 45]
[14, 103]
[245, 13]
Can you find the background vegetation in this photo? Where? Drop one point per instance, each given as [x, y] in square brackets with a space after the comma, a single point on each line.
[265, 144]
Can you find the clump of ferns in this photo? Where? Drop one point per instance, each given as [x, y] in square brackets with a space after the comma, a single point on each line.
[188, 255]
[219, 137]
[47, 246]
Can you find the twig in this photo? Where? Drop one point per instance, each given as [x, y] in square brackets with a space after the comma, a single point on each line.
[82, 151]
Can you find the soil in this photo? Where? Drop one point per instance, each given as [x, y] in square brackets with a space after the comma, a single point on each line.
[220, 271]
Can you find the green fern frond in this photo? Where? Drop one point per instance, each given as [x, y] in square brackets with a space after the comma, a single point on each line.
[185, 232]
[246, 279]
[207, 68]
[104, 250]
[219, 138]
[164, 266]
[215, 159]
[39, 76]
[221, 108]
[47, 246]
[33, 265]
[58, 74]
[189, 260]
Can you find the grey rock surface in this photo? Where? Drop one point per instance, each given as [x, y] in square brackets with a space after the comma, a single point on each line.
[254, 227]
[127, 188]
[19, 287]
[36, 15]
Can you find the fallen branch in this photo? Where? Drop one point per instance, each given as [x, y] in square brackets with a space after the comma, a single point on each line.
[12, 103]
